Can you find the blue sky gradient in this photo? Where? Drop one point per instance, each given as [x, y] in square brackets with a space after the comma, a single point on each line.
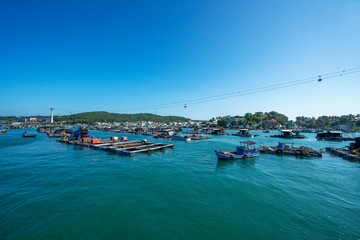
[128, 56]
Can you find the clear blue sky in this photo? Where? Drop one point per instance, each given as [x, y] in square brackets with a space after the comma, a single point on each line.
[119, 56]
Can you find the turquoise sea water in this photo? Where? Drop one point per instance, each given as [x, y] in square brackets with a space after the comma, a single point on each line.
[50, 190]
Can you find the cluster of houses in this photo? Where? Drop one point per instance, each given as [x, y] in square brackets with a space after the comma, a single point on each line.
[32, 120]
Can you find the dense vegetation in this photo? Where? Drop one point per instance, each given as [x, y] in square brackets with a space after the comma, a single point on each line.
[273, 119]
[264, 120]
[92, 117]
[329, 122]
[257, 120]
[8, 118]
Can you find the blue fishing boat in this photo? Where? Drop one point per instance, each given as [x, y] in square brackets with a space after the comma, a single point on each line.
[245, 150]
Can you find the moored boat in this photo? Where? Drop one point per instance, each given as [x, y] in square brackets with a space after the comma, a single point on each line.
[3, 130]
[28, 135]
[245, 150]
[181, 138]
[58, 133]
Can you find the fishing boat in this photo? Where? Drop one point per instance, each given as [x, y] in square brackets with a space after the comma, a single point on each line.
[266, 131]
[164, 136]
[3, 130]
[45, 129]
[245, 133]
[288, 134]
[28, 135]
[181, 138]
[245, 150]
[58, 133]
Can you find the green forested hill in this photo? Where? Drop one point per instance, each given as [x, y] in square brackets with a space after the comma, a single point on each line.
[91, 117]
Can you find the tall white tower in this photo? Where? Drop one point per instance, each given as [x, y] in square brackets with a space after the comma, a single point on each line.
[52, 115]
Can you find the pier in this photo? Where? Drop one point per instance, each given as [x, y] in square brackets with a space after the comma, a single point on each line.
[128, 148]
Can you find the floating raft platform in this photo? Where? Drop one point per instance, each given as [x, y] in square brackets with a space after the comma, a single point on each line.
[283, 149]
[125, 148]
[344, 153]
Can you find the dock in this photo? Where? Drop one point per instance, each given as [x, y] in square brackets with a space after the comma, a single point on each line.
[128, 148]
[344, 153]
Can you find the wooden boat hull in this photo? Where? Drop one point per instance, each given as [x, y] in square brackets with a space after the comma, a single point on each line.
[180, 138]
[232, 155]
[29, 136]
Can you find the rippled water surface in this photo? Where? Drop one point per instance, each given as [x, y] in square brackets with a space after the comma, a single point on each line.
[50, 190]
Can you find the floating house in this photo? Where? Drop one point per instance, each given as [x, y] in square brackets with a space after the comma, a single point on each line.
[288, 134]
[332, 136]
[245, 133]
[218, 131]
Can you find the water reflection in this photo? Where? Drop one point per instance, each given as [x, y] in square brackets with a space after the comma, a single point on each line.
[244, 164]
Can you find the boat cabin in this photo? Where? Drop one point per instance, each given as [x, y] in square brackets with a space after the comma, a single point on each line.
[45, 129]
[246, 147]
[330, 135]
[289, 133]
[356, 144]
[81, 133]
[244, 131]
[218, 131]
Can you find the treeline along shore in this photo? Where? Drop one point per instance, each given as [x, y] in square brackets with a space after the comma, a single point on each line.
[257, 120]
